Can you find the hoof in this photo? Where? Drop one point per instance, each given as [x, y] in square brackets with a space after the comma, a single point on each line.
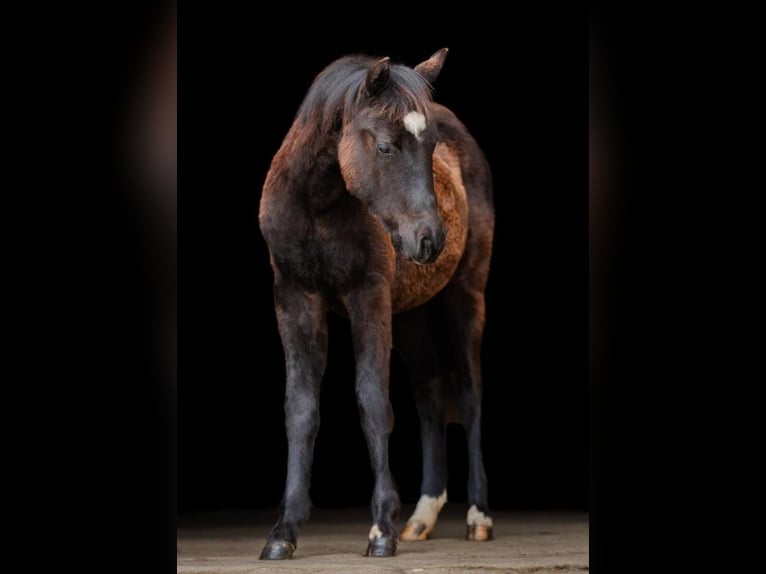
[478, 533]
[280, 550]
[381, 546]
[415, 531]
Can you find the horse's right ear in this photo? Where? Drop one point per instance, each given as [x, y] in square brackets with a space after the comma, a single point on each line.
[377, 77]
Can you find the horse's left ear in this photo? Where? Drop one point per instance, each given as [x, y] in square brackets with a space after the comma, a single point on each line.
[432, 66]
[377, 77]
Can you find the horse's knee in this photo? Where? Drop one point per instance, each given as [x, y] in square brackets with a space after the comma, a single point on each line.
[375, 409]
[302, 420]
[470, 406]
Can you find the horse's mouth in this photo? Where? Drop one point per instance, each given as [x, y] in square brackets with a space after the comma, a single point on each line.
[425, 262]
[423, 258]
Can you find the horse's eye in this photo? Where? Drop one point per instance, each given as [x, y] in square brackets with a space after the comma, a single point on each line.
[384, 148]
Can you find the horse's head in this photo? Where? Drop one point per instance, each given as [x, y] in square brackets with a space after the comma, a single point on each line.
[385, 154]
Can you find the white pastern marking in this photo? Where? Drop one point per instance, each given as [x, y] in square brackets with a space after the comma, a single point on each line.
[475, 516]
[428, 508]
[375, 532]
[415, 123]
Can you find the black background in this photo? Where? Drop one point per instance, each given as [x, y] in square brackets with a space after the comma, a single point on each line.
[520, 86]
[96, 441]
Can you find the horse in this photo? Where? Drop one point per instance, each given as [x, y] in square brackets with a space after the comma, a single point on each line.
[378, 206]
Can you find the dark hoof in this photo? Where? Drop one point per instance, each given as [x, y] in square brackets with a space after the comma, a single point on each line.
[381, 547]
[479, 533]
[279, 550]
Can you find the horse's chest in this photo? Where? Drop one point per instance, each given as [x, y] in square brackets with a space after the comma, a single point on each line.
[416, 284]
[336, 252]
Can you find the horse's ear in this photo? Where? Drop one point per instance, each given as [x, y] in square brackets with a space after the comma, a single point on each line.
[432, 66]
[377, 77]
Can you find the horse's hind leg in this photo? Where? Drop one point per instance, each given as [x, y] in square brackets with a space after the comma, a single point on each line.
[303, 329]
[413, 341]
[466, 313]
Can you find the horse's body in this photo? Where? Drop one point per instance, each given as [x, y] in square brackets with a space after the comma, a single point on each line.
[379, 204]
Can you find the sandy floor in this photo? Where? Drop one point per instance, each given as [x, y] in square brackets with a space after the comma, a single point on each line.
[334, 541]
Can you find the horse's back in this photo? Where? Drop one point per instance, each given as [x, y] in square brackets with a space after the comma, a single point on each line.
[463, 186]
[473, 270]
[474, 168]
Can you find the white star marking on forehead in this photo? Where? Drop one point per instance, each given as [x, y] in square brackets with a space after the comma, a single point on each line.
[415, 123]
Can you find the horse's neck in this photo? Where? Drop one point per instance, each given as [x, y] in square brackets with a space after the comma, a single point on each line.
[324, 182]
[315, 175]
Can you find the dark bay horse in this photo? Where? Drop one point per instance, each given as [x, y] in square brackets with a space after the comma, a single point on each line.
[379, 204]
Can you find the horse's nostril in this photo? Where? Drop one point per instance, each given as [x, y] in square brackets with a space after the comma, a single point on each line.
[425, 248]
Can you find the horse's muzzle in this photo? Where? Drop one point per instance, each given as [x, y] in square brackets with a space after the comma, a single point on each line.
[430, 243]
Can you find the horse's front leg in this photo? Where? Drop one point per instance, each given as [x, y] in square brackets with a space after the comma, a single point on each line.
[369, 309]
[302, 323]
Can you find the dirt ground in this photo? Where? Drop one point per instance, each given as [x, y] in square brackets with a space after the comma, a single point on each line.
[334, 541]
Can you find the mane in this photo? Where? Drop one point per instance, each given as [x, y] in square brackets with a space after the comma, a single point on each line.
[337, 94]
